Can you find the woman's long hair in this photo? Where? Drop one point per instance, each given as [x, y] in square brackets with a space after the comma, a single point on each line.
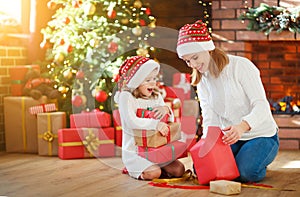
[218, 61]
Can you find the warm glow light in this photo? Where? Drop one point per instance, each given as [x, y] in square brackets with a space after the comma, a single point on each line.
[292, 164]
[13, 9]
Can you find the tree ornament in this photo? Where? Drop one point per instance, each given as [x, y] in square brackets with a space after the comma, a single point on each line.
[142, 22]
[67, 74]
[62, 89]
[137, 4]
[51, 5]
[101, 96]
[62, 41]
[94, 42]
[67, 20]
[59, 57]
[142, 52]
[112, 47]
[176, 103]
[148, 11]
[76, 3]
[112, 14]
[137, 30]
[45, 44]
[80, 74]
[89, 9]
[125, 21]
[70, 48]
[77, 100]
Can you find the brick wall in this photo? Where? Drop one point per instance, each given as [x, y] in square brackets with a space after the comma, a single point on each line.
[276, 55]
[9, 56]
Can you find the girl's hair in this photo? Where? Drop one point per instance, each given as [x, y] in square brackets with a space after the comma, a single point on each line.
[218, 61]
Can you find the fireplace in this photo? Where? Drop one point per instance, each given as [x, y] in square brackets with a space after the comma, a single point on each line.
[279, 65]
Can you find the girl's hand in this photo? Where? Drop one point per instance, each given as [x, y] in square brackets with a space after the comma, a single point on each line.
[233, 133]
[160, 111]
[163, 128]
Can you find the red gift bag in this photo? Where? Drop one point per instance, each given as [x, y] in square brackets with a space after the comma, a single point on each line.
[213, 160]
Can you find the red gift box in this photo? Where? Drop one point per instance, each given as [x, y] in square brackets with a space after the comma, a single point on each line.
[163, 154]
[118, 127]
[17, 76]
[51, 107]
[96, 119]
[213, 160]
[148, 113]
[86, 142]
[182, 81]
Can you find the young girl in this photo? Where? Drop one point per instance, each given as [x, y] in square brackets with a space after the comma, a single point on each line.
[232, 97]
[137, 89]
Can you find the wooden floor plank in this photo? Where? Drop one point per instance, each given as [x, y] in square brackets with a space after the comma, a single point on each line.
[33, 175]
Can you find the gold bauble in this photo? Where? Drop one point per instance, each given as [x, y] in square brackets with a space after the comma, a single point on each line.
[89, 9]
[176, 103]
[137, 4]
[137, 30]
[62, 89]
[59, 57]
[67, 74]
[142, 52]
[125, 21]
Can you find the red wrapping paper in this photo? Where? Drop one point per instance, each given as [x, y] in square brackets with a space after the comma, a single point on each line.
[144, 113]
[213, 160]
[163, 154]
[97, 119]
[182, 81]
[77, 143]
[118, 127]
[17, 75]
[51, 107]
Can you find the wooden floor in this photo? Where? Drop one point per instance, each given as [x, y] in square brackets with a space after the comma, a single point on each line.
[33, 175]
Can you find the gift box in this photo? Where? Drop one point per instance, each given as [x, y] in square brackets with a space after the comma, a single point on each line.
[153, 138]
[148, 113]
[20, 125]
[191, 108]
[95, 119]
[48, 125]
[17, 76]
[175, 106]
[118, 127]
[76, 143]
[163, 154]
[213, 160]
[51, 107]
[182, 81]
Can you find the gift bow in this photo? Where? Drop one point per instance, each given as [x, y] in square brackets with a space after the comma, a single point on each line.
[91, 142]
[48, 136]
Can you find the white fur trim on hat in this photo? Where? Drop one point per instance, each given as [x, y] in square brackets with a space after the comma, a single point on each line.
[194, 47]
[142, 73]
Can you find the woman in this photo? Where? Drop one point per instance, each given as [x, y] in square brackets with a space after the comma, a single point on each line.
[232, 97]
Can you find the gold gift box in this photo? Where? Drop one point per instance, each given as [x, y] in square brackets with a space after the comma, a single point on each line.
[153, 138]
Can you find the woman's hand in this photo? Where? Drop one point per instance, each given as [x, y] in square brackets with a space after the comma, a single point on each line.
[233, 133]
[160, 111]
[163, 128]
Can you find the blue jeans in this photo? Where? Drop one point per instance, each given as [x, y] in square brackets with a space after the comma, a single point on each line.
[253, 156]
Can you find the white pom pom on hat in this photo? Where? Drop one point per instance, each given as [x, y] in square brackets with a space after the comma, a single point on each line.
[194, 38]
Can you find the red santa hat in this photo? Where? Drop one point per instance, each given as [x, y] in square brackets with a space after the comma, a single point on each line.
[194, 38]
[133, 72]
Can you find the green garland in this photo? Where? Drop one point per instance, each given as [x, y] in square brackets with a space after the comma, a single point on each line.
[267, 18]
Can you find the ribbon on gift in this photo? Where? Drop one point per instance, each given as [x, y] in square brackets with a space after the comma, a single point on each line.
[118, 128]
[90, 142]
[144, 137]
[172, 148]
[48, 135]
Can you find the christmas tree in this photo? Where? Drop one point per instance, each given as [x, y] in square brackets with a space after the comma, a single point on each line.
[86, 42]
